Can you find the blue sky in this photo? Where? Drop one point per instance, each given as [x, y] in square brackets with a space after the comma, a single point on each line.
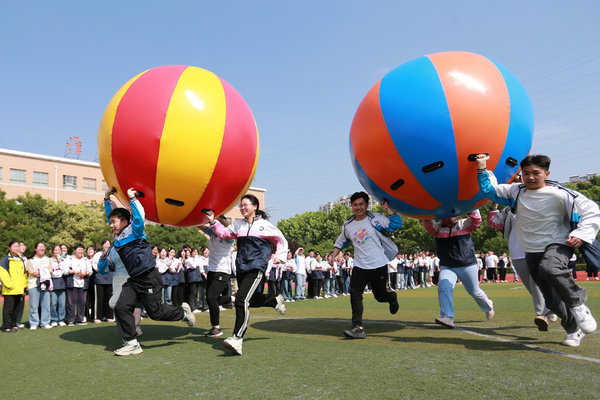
[302, 67]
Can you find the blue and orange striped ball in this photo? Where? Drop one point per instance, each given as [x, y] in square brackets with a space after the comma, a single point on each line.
[414, 131]
[183, 137]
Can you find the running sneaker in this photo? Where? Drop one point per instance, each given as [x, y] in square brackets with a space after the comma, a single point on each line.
[356, 333]
[551, 317]
[490, 314]
[448, 322]
[129, 349]
[280, 307]
[584, 318]
[573, 339]
[188, 315]
[394, 306]
[234, 344]
[214, 332]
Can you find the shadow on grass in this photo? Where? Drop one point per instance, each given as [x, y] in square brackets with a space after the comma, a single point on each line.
[324, 326]
[110, 337]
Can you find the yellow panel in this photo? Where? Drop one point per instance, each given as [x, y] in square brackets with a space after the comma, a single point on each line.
[190, 143]
[105, 139]
[250, 179]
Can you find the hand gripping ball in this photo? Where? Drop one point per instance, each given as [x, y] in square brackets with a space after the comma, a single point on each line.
[414, 131]
[184, 138]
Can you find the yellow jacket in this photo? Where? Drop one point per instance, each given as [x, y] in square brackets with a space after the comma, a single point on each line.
[13, 275]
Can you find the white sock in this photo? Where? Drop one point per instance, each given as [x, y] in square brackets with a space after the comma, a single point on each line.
[133, 342]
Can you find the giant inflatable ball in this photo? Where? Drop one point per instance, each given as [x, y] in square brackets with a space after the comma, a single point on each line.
[415, 133]
[184, 138]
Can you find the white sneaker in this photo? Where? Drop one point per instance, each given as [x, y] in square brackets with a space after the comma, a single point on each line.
[32, 328]
[128, 349]
[188, 315]
[448, 322]
[54, 324]
[552, 317]
[221, 308]
[47, 326]
[62, 323]
[334, 295]
[573, 339]
[490, 314]
[234, 344]
[197, 311]
[584, 318]
[280, 307]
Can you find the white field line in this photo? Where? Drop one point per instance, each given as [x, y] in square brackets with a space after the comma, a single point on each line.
[496, 338]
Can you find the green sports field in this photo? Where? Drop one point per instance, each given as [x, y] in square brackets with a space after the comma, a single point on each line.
[303, 355]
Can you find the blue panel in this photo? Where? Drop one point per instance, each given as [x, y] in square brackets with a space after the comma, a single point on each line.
[416, 114]
[520, 129]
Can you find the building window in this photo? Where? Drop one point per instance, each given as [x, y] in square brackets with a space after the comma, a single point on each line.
[17, 176]
[104, 186]
[40, 179]
[69, 182]
[89, 184]
[0, 174]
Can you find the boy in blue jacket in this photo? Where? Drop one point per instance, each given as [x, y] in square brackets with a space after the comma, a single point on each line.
[144, 283]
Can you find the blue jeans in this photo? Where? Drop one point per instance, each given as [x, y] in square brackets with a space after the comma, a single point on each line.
[286, 289]
[58, 308]
[167, 294]
[469, 277]
[37, 298]
[346, 284]
[300, 286]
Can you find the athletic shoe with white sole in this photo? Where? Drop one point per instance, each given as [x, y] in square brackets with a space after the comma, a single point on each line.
[214, 332]
[551, 317]
[542, 323]
[448, 322]
[280, 307]
[129, 349]
[573, 339]
[584, 318]
[234, 344]
[188, 315]
[355, 333]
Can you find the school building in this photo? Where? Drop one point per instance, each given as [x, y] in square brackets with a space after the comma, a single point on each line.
[56, 178]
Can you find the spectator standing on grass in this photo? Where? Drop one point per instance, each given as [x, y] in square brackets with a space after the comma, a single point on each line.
[491, 265]
[288, 278]
[551, 221]
[573, 265]
[300, 261]
[103, 286]
[372, 252]
[457, 261]
[58, 295]
[193, 276]
[39, 285]
[347, 272]
[90, 298]
[392, 273]
[502, 265]
[307, 263]
[14, 280]
[273, 274]
[316, 274]
[162, 266]
[78, 268]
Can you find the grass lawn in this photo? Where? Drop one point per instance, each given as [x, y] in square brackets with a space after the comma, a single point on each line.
[303, 355]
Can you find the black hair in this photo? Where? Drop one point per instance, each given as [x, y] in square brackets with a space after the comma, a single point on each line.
[254, 201]
[538, 160]
[78, 245]
[359, 195]
[104, 241]
[37, 244]
[12, 242]
[121, 213]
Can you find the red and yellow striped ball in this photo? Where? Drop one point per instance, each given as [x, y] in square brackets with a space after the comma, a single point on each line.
[414, 134]
[183, 137]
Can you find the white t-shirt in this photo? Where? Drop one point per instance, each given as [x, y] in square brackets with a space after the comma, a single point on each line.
[300, 264]
[491, 261]
[394, 263]
[542, 219]
[368, 251]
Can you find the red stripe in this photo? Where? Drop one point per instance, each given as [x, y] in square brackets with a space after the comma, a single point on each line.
[137, 131]
[236, 159]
